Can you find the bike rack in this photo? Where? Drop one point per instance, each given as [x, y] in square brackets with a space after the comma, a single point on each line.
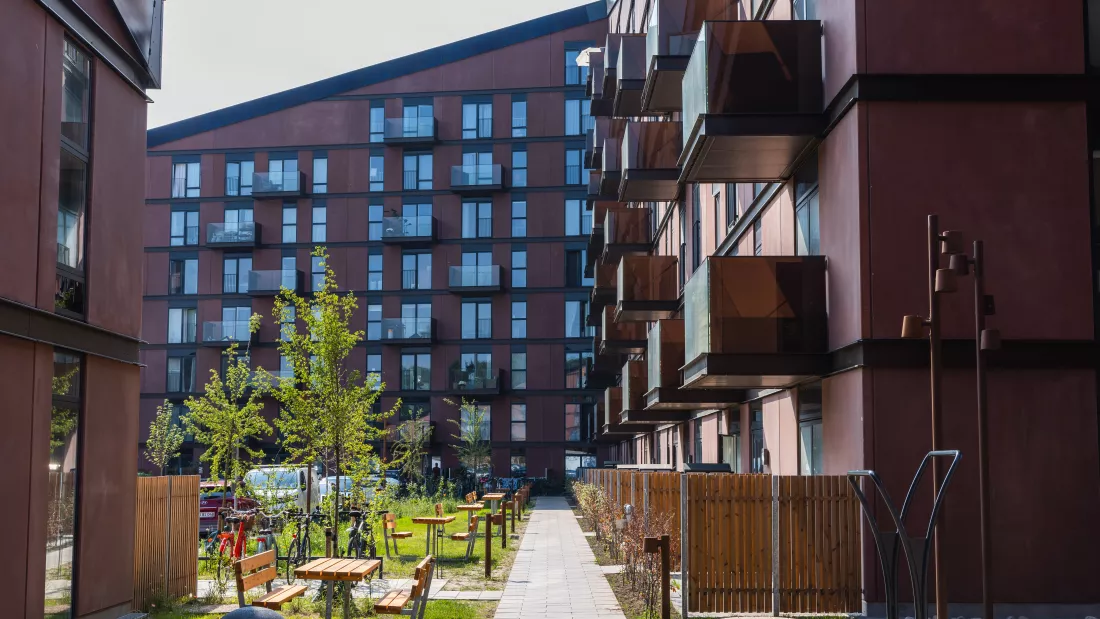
[886, 541]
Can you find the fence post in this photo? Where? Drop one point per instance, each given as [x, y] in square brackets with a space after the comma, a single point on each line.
[645, 498]
[632, 488]
[168, 537]
[684, 545]
[775, 545]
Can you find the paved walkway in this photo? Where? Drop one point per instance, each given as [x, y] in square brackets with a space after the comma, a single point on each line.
[555, 575]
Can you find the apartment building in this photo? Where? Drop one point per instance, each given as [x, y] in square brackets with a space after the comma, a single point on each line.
[449, 190]
[761, 176]
[73, 82]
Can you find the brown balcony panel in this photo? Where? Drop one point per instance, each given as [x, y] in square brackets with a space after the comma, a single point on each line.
[611, 61]
[609, 185]
[670, 37]
[650, 154]
[662, 91]
[634, 418]
[613, 409]
[603, 292]
[673, 399]
[610, 169]
[755, 322]
[593, 149]
[646, 288]
[752, 100]
[633, 385]
[630, 75]
[623, 338]
[665, 357]
[625, 231]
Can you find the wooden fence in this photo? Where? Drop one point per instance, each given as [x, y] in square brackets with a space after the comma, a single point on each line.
[166, 538]
[754, 543]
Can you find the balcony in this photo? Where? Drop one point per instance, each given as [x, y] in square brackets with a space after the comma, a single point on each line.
[477, 179]
[752, 100]
[629, 75]
[224, 333]
[601, 104]
[670, 38]
[755, 322]
[279, 185]
[409, 131]
[650, 154]
[410, 231]
[411, 331]
[613, 409]
[235, 234]
[625, 231]
[647, 288]
[611, 169]
[611, 62]
[621, 338]
[665, 400]
[269, 283]
[603, 292]
[634, 383]
[474, 279]
[475, 381]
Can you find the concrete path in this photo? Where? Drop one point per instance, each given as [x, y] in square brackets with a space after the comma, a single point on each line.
[555, 575]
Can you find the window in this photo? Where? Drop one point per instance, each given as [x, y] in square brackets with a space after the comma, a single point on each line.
[283, 172]
[578, 119]
[756, 436]
[717, 191]
[416, 370]
[575, 259]
[185, 228]
[696, 228]
[477, 320]
[519, 118]
[573, 159]
[75, 100]
[518, 463]
[757, 237]
[377, 172]
[572, 421]
[374, 367]
[574, 75]
[418, 171]
[320, 223]
[238, 178]
[185, 180]
[519, 166]
[519, 319]
[477, 220]
[484, 413]
[519, 370]
[477, 169]
[320, 173]
[287, 325]
[519, 268]
[317, 273]
[182, 323]
[416, 271]
[732, 212]
[183, 276]
[757, 189]
[804, 9]
[235, 324]
[809, 430]
[374, 222]
[374, 322]
[578, 220]
[519, 218]
[519, 422]
[290, 224]
[475, 371]
[377, 121]
[576, 314]
[73, 180]
[63, 474]
[477, 120]
[181, 374]
[576, 367]
[698, 431]
[807, 231]
[235, 270]
[731, 444]
[416, 319]
[417, 120]
[374, 272]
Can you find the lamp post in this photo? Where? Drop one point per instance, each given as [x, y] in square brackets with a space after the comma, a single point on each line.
[939, 281]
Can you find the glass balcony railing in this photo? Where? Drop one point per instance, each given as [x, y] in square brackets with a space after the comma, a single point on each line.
[477, 175]
[486, 276]
[476, 379]
[417, 227]
[650, 145]
[596, 65]
[273, 183]
[647, 278]
[626, 226]
[415, 129]
[634, 383]
[674, 25]
[232, 233]
[408, 329]
[261, 282]
[225, 331]
[612, 155]
[630, 62]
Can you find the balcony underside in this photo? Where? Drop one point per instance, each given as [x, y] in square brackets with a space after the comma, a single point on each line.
[609, 185]
[599, 379]
[408, 341]
[618, 429]
[649, 185]
[747, 147]
[603, 108]
[636, 418]
[408, 140]
[754, 371]
[474, 290]
[613, 252]
[628, 98]
[664, 84]
[673, 399]
[480, 390]
[623, 347]
[477, 190]
[592, 157]
[224, 343]
[408, 241]
[226, 244]
[645, 311]
[599, 299]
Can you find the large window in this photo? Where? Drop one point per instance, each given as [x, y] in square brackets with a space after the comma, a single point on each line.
[519, 268]
[733, 213]
[184, 228]
[290, 223]
[377, 172]
[283, 172]
[185, 180]
[810, 449]
[374, 272]
[417, 120]
[377, 121]
[477, 120]
[477, 320]
[182, 325]
[578, 119]
[477, 220]
[731, 444]
[416, 371]
[519, 166]
[73, 180]
[574, 268]
[416, 319]
[374, 322]
[316, 273]
[320, 223]
[576, 365]
[238, 177]
[574, 75]
[60, 527]
[698, 432]
[574, 157]
[519, 370]
[519, 117]
[482, 411]
[756, 437]
[519, 218]
[235, 270]
[416, 271]
[476, 370]
[576, 314]
[578, 220]
[287, 324]
[573, 421]
[477, 169]
[519, 319]
[183, 276]
[374, 222]
[320, 173]
[418, 171]
[181, 374]
[519, 422]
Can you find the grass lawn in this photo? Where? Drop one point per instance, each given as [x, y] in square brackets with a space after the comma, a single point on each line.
[438, 609]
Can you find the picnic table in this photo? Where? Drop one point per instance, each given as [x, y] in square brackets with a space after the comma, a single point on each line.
[333, 570]
[431, 539]
[494, 498]
[470, 508]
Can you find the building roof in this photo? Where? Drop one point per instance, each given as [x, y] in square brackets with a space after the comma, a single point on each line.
[373, 74]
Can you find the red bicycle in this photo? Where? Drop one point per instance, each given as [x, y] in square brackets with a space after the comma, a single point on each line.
[235, 542]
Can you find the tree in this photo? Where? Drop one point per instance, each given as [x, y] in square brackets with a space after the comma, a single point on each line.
[327, 409]
[410, 447]
[473, 449]
[229, 415]
[62, 420]
[165, 438]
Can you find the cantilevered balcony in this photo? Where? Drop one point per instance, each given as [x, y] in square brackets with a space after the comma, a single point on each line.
[602, 105]
[233, 234]
[665, 400]
[755, 322]
[269, 283]
[417, 230]
[409, 331]
[611, 63]
[409, 131]
[646, 288]
[610, 169]
[602, 129]
[477, 179]
[290, 184]
[625, 231]
[634, 384]
[629, 75]
[650, 151]
[468, 279]
[224, 333]
[603, 292]
[613, 409]
[752, 100]
[621, 337]
[670, 38]
[475, 381]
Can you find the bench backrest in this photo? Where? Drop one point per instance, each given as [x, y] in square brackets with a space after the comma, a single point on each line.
[390, 521]
[423, 575]
[439, 510]
[254, 571]
[473, 523]
[472, 497]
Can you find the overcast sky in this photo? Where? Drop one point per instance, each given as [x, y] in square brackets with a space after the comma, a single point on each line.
[221, 52]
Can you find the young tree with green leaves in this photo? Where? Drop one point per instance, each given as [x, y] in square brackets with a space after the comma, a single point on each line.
[473, 448]
[165, 437]
[410, 446]
[229, 415]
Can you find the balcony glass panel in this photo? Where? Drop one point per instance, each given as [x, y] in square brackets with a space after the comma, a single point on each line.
[486, 276]
[474, 175]
[647, 278]
[272, 280]
[665, 354]
[626, 226]
[408, 328]
[419, 226]
[225, 331]
[475, 377]
[630, 64]
[634, 384]
[409, 127]
[611, 153]
[651, 145]
[276, 182]
[231, 232]
[596, 65]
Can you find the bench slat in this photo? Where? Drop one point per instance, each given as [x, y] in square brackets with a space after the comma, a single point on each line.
[393, 602]
[460, 537]
[280, 596]
[265, 575]
[248, 564]
[401, 534]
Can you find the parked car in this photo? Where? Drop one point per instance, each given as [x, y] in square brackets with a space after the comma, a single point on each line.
[210, 501]
[285, 487]
[328, 483]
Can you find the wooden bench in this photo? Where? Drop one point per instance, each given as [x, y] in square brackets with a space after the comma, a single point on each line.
[470, 536]
[394, 602]
[260, 570]
[388, 534]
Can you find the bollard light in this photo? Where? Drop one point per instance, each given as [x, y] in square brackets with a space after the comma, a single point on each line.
[991, 339]
[912, 327]
[945, 280]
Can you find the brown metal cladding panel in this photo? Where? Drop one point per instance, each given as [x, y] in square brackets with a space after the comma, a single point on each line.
[394, 168]
[502, 219]
[357, 214]
[317, 122]
[845, 396]
[524, 65]
[546, 163]
[546, 315]
[448, 114]
[358, 319]
[108, 474]
[263, 259]
[542, 271]
[106, 16]
[157, 225]
[391, 268]
[339, 162]
[355, 268]
[156, 273]
[471, 74]
[545, 115]
[996, 162]
[358, 169]
[206, 359]
[194, 142]
[208, 310]
[154, 323]
[545, 213]
[547, 421]
[447, 310]
[542, 370]
[211, 268]
[447, 210]
[502, 119]
[158, 177]
[442, 358]
[155, 373]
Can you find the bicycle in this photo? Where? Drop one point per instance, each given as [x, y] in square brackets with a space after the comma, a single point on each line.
[226, 538]
[265, 539]
[299, 550]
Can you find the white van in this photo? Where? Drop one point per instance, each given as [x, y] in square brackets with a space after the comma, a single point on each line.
[285, 487]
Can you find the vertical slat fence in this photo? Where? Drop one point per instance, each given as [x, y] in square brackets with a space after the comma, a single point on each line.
[166, 538]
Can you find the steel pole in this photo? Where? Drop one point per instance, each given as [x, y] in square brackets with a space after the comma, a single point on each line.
[983, 419]
[935, 361]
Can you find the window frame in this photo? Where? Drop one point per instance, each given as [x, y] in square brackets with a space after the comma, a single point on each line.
[519, 321]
